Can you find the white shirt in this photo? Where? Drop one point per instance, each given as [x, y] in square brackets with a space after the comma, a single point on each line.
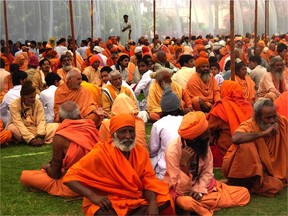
[144, 84]
[256, 74]
[183, 75]
[47, 99]
[82, 51]
[60, 49]
[162, 133]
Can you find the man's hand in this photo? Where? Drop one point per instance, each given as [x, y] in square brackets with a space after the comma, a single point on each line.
[271, 130]
[187, 154]
[40, 141]
[100, 112]
[153, 209]
[36, 142]
[101, 201]
[195, 195]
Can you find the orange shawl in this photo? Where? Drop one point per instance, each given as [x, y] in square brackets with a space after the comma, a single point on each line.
[281, 104]
[94, 90]
[248, 88]
[106, 170]
[82, 97]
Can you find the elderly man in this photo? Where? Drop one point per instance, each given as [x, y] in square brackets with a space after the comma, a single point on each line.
[260, 143]
[189, 171]
[163, 132]
[66, 63]
[93, 71]
[225, 116]
[72, 90]
[73, 139]
[163, 79]
[28, 122]
[116, 177]
[112, 90]
[202, 87]
[273, 83]
[163, 63]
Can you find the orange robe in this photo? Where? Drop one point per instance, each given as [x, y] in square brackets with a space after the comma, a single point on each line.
[82, 135]
[94, 90]
[62, 74]
[124, 104]
[248, 88]
[5, 135]
[82, 97]
[281, 104]
[225, 117]
[265, 157]
[209, 92]
[107, 170]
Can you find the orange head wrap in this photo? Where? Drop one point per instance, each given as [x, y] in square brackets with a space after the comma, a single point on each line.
[200, 48]
[93, 59]
[124, 104]
[193, 125]
[231, 89]
[203, 54]
[201, 61]
[120, 121]
[261, 43]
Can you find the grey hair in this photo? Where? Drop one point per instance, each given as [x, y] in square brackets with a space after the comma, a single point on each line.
[258, 106]
[272, 63]
[72, 72]
[69, 110]
[114, 73]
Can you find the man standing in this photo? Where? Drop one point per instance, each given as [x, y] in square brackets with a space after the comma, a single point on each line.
[125, 30]
[73, 139]
[189, 171]
[116, 177]
[260, 143]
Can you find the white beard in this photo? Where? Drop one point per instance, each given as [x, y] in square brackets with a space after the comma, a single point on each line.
[130, 143]
[205, 77]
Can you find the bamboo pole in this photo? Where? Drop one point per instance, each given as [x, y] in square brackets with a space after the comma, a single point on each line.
[255, 23]
[6, 31]
[91, 17]
[72, 30]
[154, 21]
[232, 53]
[266, 20]
[190, 6]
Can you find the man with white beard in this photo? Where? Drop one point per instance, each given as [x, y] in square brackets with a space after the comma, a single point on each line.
[66, 63]
[273, 83]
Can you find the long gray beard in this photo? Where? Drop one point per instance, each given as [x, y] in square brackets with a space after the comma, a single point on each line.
[278, 75]
[122, 145]
[205, 77]
[263, 126]
[67, 67]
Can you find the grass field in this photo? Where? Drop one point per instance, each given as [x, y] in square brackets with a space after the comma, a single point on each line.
[18, 200]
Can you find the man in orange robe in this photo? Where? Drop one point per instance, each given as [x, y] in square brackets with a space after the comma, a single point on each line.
[281, 104]
[93, 71]
[116, 177]
[225, 116]
[72, 90]
[93, 89]
[202, 87]
[5, 135]
[189, 171]
[258, 157]
[66, 63]
[124, 104]
[73, 139]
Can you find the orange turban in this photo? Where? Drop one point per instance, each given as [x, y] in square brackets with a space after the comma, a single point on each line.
[203, 54]
[93, 59]
[200, 48]
[124, 104]
[176, 48]
[261, 43]
[201, 61]
[120, 121]
[193, 125]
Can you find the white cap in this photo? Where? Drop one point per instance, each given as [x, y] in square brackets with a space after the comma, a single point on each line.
[98, 49]
[138, 49]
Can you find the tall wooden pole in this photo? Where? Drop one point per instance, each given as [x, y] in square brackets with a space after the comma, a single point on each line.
[154, 21]
[6, 31]
[72, 30]
[190, 6]
[266, 20]
[91, 17]
[255, 23]
[232, 53]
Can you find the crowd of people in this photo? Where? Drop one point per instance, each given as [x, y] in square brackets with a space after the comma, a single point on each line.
[94, 107]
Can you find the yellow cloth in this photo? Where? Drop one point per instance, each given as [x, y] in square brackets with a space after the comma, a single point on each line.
[93, 75]
[94, 90]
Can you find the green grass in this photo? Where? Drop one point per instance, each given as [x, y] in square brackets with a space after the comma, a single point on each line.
[18, 200]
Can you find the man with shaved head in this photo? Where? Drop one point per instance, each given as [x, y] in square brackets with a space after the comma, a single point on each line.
[73, 139]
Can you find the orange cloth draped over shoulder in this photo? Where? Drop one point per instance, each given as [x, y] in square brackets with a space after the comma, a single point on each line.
[5, 135]
[82, 97]
[124, 104]
[281, 104]
[94, 90]
[248, 88]
[82, 135]
[106, 169]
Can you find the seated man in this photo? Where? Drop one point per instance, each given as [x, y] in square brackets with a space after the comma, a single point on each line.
[28, 122]
[189, 171]
[162, 79]
[225, 116]
[73, 139]
[260, 143]
[47, 96]
[164, 131]
[202, 87]
[124, 104]
[116, 177]
[72, 90]
[39, 76]
[273, 83]
[66, 63]
[93, 71]
[162, 63]
[112, 90]
[93, 89]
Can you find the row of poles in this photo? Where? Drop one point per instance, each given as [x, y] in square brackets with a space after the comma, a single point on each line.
[232, 44]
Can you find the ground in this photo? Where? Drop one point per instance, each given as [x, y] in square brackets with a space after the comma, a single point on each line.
[18, 200]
